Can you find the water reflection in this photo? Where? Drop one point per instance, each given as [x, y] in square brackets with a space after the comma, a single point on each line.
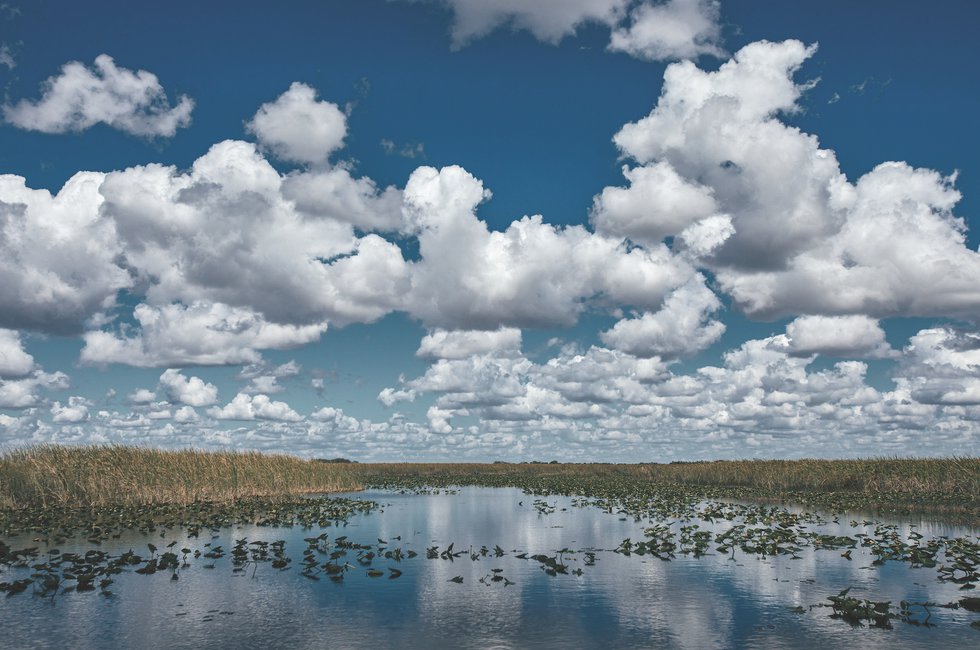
[617, 601]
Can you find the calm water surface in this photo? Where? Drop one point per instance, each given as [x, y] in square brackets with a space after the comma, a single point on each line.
[618, 602]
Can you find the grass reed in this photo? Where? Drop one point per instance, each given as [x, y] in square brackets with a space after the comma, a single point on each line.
[52, 475]
[95, 476]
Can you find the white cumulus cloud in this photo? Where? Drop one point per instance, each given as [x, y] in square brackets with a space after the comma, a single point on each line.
[336, 419]
[530, 275]
[675, 29]
[76, 410]
[842, 336]
[57, 255]
[334, 194]
[81, 97]
[683, 326]
[192, 391]
[941, 365]
[14, 360]
[657, 203]
[254, 407]
[23, 393]
[201, 333]
[141, 396]
[223, 232]
[800, 237]
[459, 344]
[297, 127]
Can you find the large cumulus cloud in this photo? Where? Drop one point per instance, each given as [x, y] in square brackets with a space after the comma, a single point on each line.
[531, 274]
[224, 233]
[803, 239]
[58, 254]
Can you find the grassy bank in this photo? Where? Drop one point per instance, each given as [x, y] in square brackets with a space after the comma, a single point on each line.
[118, 475]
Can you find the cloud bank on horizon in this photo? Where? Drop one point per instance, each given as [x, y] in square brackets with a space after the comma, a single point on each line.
[272, 243]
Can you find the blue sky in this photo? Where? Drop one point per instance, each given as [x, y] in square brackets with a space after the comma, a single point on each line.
[607, 230]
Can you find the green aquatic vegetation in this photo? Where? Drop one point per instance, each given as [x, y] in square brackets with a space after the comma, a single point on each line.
[879, 614]
[659, 543]
[917, 614]
[971, 604]
[55, 524]
[770, 541]
[245, 554]
[496, 577]
[543, 507]
[73, 572]
[856, 611]
[962, 565]
[16, 587]
[552, 565]
[693, 541]
[449, 553]
[832, 542]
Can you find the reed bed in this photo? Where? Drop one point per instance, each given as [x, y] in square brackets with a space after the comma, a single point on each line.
[120, 475]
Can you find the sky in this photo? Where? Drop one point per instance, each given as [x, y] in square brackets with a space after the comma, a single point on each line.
[437, 230]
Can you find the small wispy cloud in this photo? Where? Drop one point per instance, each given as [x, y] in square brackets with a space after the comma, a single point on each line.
[407, 150]
[7, 56]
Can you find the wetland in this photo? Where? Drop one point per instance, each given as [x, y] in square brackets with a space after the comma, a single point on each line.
[509, 555]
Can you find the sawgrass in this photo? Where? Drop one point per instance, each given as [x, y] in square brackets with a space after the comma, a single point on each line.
[52, 475]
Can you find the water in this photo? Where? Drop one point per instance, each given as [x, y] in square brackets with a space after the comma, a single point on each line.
[619, 602]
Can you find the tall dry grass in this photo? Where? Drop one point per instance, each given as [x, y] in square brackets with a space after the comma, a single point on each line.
[118, 475]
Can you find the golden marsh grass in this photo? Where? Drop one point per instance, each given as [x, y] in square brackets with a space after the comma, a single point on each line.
[119, 475]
